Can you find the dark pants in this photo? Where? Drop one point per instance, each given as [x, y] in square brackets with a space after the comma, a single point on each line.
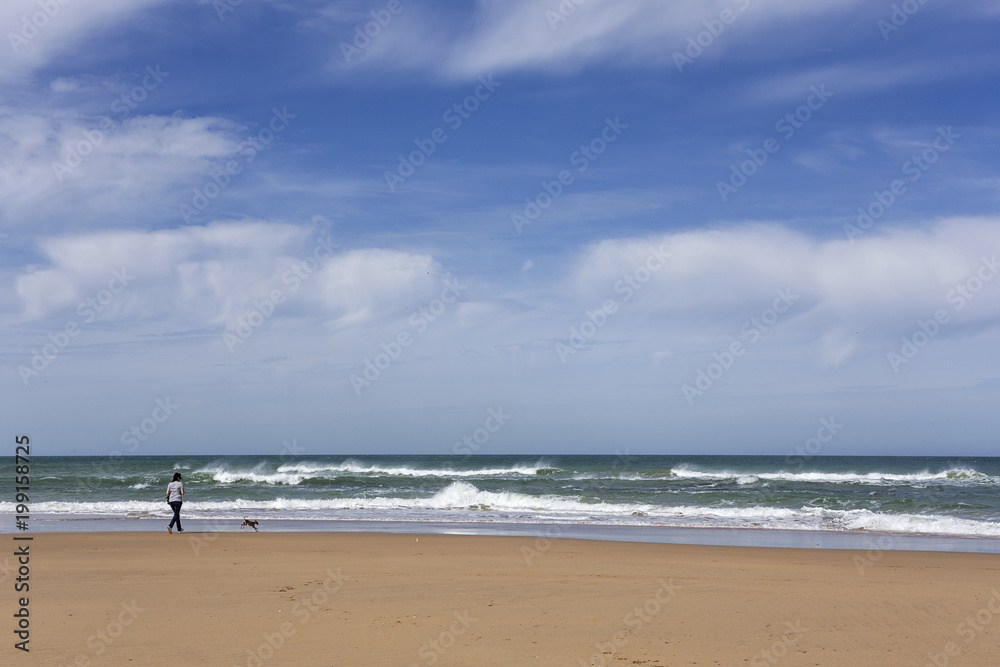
[177, 515]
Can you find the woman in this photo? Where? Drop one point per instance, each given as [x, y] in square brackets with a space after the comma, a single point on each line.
[175, 498]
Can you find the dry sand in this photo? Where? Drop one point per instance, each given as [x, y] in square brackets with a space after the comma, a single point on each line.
[382, 599]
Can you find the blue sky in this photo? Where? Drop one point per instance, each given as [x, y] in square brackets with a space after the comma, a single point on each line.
[689, 227]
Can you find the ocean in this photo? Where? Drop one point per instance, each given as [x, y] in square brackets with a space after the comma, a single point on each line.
[905, 496]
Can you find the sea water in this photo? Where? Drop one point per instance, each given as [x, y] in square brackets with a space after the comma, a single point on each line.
[898, 495]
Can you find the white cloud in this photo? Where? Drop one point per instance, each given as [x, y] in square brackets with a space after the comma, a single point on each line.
[880, 285]
[209, 276]
[55, 154]
[853, 302]
[369, 285]
[862, 78]
[44, 29]
[517, 34]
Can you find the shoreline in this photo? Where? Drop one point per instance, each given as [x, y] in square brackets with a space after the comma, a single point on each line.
[684, 535]
[261, 599]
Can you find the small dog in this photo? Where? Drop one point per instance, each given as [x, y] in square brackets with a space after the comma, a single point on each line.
[252, 524]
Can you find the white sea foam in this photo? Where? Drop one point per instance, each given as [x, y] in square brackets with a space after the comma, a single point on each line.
[295, 473]
[915, 523]
[235, 476]
[952, 475]
[356, 468]
[461, 501]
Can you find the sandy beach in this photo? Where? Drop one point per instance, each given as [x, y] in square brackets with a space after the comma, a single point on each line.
[389, 599]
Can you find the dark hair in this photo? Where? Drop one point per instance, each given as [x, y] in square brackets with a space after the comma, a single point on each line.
[177, 476]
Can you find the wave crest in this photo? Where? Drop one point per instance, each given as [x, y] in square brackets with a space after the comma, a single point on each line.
[462, 501]
[295, 473]
[964, 475]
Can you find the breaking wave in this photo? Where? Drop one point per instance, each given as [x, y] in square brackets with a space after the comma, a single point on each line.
[296, 473]
[462, 501]
[952, 475]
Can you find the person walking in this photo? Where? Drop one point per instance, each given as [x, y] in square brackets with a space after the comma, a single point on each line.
[175, 498]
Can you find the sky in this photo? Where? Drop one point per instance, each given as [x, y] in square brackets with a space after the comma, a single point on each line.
[521, 226]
